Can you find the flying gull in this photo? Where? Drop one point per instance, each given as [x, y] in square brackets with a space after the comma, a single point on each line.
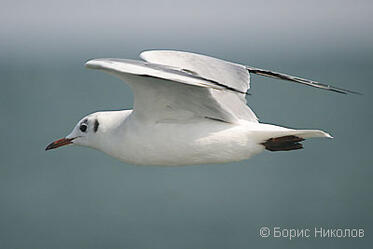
[188, 109]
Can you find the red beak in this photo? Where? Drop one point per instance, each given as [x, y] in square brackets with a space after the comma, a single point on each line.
[59, 143]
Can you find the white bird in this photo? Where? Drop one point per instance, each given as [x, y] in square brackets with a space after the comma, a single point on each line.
[188, 109]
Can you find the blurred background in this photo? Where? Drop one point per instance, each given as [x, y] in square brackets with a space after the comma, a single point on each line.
[80, 198]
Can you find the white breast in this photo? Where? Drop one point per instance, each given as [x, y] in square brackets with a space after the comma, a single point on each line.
[193, 142]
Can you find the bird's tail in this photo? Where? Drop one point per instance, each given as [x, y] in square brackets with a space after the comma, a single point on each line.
[285, 140]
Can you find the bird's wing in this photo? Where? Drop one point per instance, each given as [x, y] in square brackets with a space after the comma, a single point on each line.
[226, 73]
[164, 92]
[232, 76]
[217, 70]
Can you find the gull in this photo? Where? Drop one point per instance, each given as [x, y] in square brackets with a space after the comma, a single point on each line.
[188, 109]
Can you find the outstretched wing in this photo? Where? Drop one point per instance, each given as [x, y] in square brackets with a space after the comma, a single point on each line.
[163, 92]
[227, 73]
[234, 76]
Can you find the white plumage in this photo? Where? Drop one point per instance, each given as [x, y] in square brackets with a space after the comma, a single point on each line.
[188, 109]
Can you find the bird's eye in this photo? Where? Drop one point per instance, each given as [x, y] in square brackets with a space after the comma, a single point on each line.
[83, 127]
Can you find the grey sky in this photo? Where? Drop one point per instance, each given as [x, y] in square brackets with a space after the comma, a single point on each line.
[256, 21]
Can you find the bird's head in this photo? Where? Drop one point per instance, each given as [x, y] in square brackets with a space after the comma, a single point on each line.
[84, 133]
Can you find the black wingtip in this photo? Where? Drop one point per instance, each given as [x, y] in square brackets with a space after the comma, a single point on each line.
[282, 76]
[333, 88]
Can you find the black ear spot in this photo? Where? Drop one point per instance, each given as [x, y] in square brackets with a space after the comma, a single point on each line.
[95, 126]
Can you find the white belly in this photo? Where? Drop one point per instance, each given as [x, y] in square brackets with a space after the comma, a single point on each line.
[197, 142]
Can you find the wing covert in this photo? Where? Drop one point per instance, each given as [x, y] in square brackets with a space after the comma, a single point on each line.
[164, 92]
[226, 73]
